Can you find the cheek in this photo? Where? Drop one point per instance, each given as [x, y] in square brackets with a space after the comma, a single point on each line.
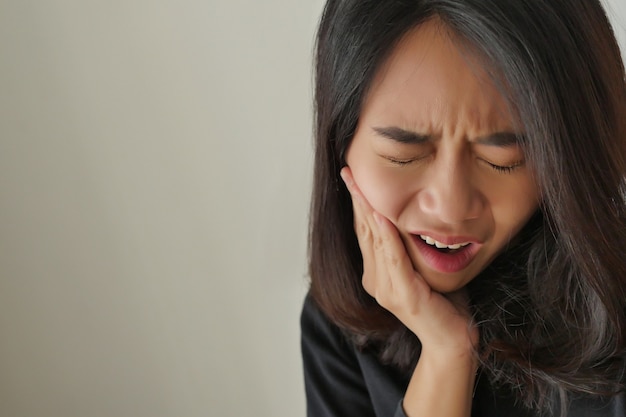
[384, 191]
[513, 210]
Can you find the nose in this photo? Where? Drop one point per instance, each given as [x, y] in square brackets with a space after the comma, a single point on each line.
[449, 194]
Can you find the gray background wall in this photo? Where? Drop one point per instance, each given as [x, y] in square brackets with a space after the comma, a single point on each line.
[155, 164]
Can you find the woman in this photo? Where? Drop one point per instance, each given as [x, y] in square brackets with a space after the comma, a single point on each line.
[468, 214]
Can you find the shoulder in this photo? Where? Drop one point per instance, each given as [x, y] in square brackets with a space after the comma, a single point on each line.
[319, 334]
[340, 379]
[333, 380]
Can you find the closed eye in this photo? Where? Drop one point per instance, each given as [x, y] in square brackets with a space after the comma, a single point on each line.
[404, 161]
[504, 169]
[401, 162]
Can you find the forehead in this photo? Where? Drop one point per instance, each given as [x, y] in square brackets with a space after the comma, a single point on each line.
[430, 82]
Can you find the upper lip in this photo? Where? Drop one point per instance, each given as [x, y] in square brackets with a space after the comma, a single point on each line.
[447, 240]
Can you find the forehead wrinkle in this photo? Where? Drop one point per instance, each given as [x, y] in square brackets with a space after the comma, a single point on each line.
[445, 106]
[471, 122]
[479, 107]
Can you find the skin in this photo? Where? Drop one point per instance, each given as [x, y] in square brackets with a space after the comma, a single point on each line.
[456, 183]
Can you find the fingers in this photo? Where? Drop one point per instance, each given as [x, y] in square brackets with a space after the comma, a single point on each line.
[389, 277]
[387, 267]
[374, 228]
[363, 227]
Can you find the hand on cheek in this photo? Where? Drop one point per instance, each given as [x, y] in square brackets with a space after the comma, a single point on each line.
[389, 277]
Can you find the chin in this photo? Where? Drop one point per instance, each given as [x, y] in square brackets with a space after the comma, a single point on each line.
[447, 283]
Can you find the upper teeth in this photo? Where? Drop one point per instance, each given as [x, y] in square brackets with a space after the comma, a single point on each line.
[440, 245]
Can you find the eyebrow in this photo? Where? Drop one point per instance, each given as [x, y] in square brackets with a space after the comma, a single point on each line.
[402, 136]
[500, 139]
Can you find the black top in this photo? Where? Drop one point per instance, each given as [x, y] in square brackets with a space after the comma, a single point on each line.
[342, 381]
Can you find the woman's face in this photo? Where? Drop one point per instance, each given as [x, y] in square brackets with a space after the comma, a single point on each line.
[435, 151]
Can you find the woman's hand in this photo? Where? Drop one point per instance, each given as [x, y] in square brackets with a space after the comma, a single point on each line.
[442, 323]
[442, 383]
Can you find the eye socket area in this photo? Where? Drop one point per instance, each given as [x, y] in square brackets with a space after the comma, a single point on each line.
[502, 158]
[500, 151]
[402, 154]
[401, 147]
[504, 169]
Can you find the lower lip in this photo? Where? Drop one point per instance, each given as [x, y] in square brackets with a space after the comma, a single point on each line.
[446, 262]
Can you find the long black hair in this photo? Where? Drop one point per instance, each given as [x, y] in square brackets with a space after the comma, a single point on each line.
[551, 308]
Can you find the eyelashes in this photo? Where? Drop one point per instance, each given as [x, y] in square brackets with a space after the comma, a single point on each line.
[401, 162]
[502, 169]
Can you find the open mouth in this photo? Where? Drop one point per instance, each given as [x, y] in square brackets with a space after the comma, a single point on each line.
[450, 257]
[442, 247]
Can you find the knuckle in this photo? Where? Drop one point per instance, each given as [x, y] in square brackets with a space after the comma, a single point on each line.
[393, 259]
[363, 229]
